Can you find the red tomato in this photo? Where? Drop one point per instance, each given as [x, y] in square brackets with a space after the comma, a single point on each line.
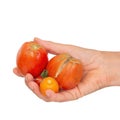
[66, 70]
[42, 76]
[31, 58]
[38, 80]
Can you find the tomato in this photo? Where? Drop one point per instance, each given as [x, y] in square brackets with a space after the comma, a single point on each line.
[38, 80]
[31, 58]
[40, 77]
[66, 70]
[48, 83]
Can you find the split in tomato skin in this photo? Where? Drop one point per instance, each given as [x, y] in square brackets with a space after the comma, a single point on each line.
[68, 71]
[31, 58]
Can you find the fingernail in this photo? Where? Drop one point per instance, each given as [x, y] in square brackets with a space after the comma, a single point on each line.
[49, 93]
[35, 38]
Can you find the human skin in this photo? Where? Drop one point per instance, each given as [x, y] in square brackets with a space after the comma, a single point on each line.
[101, 69]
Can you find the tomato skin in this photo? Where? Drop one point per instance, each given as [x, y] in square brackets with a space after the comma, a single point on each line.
[31, 58]
[66, 70]
[48, 83]
[38, 80]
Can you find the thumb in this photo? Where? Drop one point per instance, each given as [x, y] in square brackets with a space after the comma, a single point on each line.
[52, 47]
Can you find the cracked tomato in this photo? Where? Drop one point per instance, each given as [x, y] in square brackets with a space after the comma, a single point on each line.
[66, 70]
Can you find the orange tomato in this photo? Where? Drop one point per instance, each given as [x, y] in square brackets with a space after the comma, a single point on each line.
[48, 83]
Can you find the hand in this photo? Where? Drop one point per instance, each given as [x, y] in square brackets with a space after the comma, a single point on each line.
[98, 71]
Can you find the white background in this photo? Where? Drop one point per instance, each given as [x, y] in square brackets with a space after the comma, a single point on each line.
[92, 24]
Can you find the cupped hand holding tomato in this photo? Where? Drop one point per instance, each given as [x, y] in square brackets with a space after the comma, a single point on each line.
[93, 72]
[67, 61]
[31, 58]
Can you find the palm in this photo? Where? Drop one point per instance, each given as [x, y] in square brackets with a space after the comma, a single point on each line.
[94, 78]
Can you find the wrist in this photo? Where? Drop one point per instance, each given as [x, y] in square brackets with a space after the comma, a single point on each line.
[112, 62]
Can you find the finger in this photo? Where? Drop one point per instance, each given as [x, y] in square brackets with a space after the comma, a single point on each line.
[54, 48]
[67, 95]
[84, 54]
[17, 72]
[33, 86]
[89, 84]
